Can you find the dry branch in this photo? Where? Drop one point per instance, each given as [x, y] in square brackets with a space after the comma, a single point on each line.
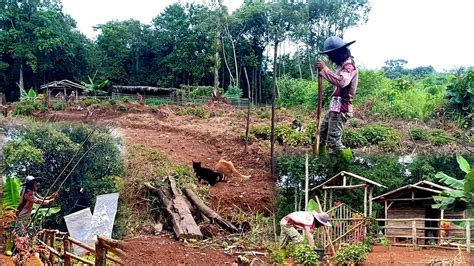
[208, 212]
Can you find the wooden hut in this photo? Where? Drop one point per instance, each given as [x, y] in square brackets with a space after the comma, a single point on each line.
[346, 180]
[59, 91]
[409, 215]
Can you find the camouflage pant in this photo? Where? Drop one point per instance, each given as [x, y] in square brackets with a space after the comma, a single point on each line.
[288, 232]
[332, 129]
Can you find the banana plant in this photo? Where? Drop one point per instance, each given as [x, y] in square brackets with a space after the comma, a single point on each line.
[460, 195]
[96, 88]
[11, 194]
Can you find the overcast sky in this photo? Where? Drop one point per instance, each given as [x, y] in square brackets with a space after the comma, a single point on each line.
[424, 32]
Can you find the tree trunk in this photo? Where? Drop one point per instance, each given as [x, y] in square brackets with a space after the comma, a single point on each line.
[21, 83]
[236, 65]
[272, 144]
[183, 222]
[216, 63]
[248, 110]
[208, 212]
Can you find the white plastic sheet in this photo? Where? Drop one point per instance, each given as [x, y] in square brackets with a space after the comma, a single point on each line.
[104, 215]
[79, 226]
[85, 227]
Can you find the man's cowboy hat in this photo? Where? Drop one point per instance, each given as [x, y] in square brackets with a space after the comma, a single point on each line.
[333, 43]
[322, 217]
[30, 179]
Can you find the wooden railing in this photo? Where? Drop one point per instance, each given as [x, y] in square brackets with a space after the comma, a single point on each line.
[64, 252]
[416, 235]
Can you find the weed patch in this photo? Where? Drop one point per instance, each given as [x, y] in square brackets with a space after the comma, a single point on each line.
[378, 132]
[58, 106]
[353, 138]
[439, 137]
[418, 134]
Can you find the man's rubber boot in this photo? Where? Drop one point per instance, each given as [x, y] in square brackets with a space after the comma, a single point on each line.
[323, 150]
[345, 154]
[9, 247]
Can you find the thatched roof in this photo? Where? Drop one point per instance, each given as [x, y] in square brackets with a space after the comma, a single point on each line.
[62, 84]
[141, 89]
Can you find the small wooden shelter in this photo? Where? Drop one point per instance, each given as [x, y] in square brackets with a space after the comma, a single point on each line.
[63, 88]
[409, 213]
[346, 180]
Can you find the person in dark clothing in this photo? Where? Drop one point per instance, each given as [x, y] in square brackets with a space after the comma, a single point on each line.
[345, 80]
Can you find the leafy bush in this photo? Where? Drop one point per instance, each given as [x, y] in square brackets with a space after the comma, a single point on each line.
[233, 92]
[303, 254]
[296, 92]
[284, 134]
[418, 134]
[353, 254]
[378, 132]
[404, 84]
[112, 101]
[196, 92]
[439, 137]
[460, 92]
[106, 105]
[198, 111]
[26, 108]
[353, 138]
[156, 102]
[89, 101]
[122, 108]
[371, 83]
[58, 106]
[262, 113]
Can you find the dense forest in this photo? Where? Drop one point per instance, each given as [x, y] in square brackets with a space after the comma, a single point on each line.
[185, 44]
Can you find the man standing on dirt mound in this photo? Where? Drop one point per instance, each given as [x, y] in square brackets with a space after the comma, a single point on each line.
[345, 80]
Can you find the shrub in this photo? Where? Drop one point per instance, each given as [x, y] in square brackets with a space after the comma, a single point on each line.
[156, 102]
[58, 106]
[371, 83]
[198, 111]
[122, 108]
[112, 101]
[106, 105]
[197, 92]
[353, 138]
[439, 137]
[260, 131]
[152, 109]
[388, 145]
[262, 113]
[418, 134]
[353, 254]
[460, 92]
[303, 254]
[89, 101]
[296, 92]
[233, 92]
[27, 107]
[378, 132]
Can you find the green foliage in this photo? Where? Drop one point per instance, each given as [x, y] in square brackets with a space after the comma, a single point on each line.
[96, 88]
[353, 138]
[371, 83]
[198, 111]
[284, 134]
[378, 133]
[89, 101]
[418, 133]
[404, 84]
[278, 254]
[198, 92]
[156, 102]
[11, 194]
[439, 137]
[59, 106]
[353, 255]
[28, 107]
[122, 108]
[233, 92]
[303, 254]
[262, 113]
[460, 196]
[460, 92]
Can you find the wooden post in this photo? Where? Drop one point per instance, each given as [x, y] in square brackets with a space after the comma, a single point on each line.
[365, 201]
[52, 242]
[468, 236]
[371, 190]
[67, 248]
[441, 216]
[272, 137]
[344, 180]
[100, 253]
[248, 110]
[306, 183]
[318, 116]
[386, 217]
[413, 233]
[330, 199]
[325, 199]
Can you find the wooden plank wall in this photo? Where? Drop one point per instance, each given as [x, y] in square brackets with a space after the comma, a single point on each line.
[405, 213]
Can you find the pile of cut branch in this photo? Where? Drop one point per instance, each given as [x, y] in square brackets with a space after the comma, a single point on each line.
[183, 210]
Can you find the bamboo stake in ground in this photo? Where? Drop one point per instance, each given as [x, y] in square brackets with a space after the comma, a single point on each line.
[326, 230]
[318, 116]
[248, 110]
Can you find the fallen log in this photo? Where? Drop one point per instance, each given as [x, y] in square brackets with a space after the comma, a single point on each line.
[183, 223]
[208, 212]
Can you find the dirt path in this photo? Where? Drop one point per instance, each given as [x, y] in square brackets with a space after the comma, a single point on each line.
[408, 256]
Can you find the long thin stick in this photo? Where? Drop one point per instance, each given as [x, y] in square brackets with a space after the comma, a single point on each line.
[248, 110]
[325, 229]
[318, 116]
[272, 144]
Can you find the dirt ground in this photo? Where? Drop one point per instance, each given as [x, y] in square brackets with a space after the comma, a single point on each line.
[409, 256]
